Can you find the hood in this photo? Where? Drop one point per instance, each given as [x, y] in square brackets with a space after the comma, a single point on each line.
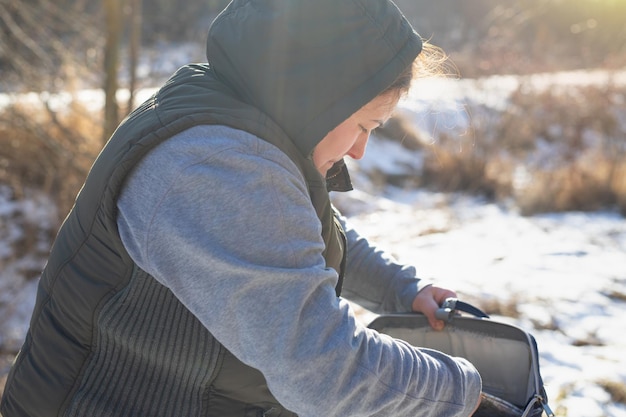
[310, 64]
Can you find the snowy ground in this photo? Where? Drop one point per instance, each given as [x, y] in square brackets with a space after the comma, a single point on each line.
[560, 276]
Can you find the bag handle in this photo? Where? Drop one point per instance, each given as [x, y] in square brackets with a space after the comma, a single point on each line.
[452, 306]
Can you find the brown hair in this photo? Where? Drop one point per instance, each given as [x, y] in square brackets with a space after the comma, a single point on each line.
[432, 61]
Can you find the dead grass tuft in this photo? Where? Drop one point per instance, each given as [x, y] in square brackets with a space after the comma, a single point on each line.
[591, 340]
[499, 307]
[574, 187]
[571, 145]
[616, 389]
[548, 151]
[46, 150]
[400, 128]
[616, 295]
[452, 168]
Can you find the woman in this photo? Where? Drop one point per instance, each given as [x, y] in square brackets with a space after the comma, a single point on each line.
[200, 270]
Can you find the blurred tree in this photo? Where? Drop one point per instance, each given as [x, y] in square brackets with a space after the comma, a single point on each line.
[47, 47]
[485, 37]
[113, 34]
[44, 44]
[135, 24]
[167, 21]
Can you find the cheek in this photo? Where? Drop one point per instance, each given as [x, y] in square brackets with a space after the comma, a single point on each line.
[345, 137]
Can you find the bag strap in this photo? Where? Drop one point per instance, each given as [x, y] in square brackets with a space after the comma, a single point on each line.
[452, 306]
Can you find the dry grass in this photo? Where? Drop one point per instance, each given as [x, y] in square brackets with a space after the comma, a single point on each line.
[46, 150]
[499, 307]
[616, 295]
[575, 187]
[616, 389]
[549, 151]
[584, 166]
[467, 168]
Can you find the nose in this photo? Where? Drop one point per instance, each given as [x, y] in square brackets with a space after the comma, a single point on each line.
[358, 149]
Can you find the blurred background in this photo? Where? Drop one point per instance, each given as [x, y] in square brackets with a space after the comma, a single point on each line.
[532, 115]
[52, 53]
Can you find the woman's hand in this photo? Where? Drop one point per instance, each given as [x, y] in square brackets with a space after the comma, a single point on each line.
[428, 300]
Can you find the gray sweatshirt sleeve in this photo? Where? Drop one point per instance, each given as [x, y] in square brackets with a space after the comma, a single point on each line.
[374, 278]
[229, 228]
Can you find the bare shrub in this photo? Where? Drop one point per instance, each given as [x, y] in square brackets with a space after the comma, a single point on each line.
[616, 389]
[46, 44]
[499, 307]
[575, 149]
[401, 129]
[616, 295]
[451, 171]
[43, 149]
[548, 150]
[569, 188]
[570, 145]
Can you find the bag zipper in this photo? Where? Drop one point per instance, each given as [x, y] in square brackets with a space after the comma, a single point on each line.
[535, 364]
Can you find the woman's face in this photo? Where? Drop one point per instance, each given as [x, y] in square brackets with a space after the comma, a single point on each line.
[350, 137]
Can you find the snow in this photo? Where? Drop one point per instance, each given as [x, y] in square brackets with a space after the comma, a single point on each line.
[563, 275]
[30, 218]
[558, 270]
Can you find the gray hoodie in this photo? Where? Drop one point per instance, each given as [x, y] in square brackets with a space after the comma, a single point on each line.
[202, 220]
[230, 229]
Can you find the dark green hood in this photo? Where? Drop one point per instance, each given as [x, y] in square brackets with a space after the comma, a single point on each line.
[309, 65]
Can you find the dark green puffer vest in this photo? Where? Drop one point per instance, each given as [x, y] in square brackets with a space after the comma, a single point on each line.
[130, 348]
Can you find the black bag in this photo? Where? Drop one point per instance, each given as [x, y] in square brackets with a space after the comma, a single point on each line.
[505, 355]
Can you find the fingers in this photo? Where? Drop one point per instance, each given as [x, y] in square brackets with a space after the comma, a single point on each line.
[428, 300]
[434, 322]
[430, 306]
[441, 294]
